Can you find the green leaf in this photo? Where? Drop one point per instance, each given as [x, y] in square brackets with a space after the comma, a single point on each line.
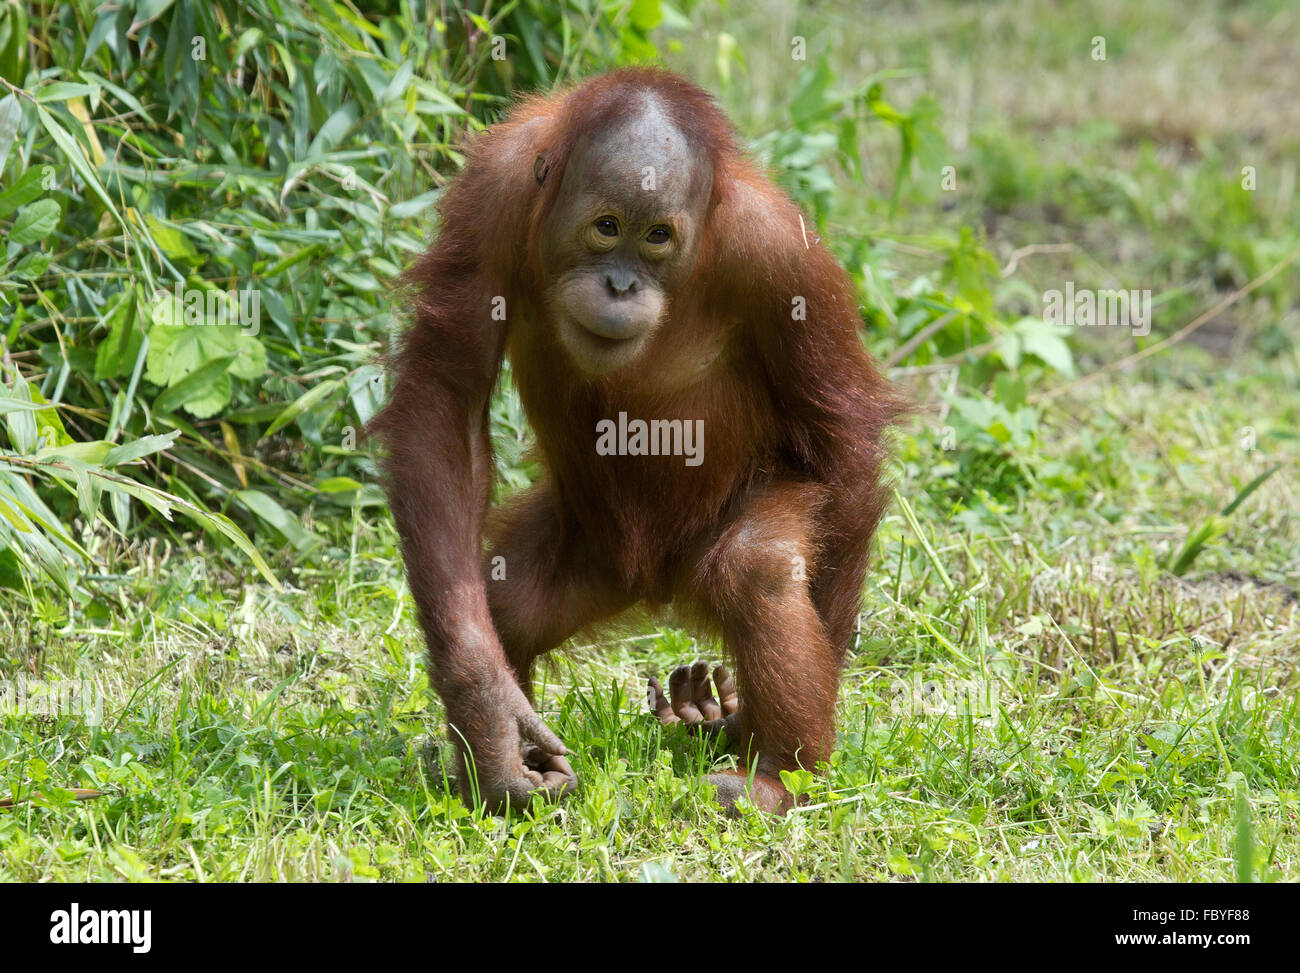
[645, 15]
[10, 115]
[797, 782]
[899, 863]
[91, 453]
[653, 873]
[62, 91]
[117, 351]
[32, 265]
[164, 503]
[248, 40]
[19, 405]
[188, 357]
[302, 404]
[810, 100]
[49, 426]
[1248, 489]
[13, 41]
[35, 222]
[21, 424]
[24, 497]
[414, 207]
[68, 146]
[1044, 341]
[259, 504]
[1209, 530]
[175, 352]
[338, 484]
[401, 78]
[333, 131]
[147, 11]
[144, 446]
[172, 241]
[16, 519]
[202, 392]
[99, 33]
[250, 357]
[11, 573]
[27, 188]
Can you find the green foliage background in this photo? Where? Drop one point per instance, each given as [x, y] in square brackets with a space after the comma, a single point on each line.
[288, 148]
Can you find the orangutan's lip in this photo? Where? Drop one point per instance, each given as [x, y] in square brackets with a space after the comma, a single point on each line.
[614, 333]
[605, 343]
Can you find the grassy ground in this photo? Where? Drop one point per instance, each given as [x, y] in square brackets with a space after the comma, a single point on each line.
[1127, 724]
[281, 737]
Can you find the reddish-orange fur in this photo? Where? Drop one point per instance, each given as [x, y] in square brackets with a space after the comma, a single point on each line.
[794, 411]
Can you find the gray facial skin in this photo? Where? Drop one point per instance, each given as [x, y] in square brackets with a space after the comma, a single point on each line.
[622, 236]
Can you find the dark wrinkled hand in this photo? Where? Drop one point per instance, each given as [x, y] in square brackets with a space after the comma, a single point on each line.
[512, 753]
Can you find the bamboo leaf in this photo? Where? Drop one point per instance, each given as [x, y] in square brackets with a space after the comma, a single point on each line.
[301, 404]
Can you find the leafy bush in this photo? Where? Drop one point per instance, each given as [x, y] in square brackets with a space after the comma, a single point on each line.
[203, 205]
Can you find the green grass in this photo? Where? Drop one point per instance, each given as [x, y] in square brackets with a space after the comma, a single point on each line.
[1133, 722]
[259, 736]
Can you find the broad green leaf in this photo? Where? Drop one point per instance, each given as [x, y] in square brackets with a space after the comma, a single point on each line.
[366, 391]
[35, 222]
[175, 352]
[202, 392]
[32, 265]
[183, 359]
[172, 241]
[1045, 342]
[22, 192]
[645, 15]
[250, 357]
